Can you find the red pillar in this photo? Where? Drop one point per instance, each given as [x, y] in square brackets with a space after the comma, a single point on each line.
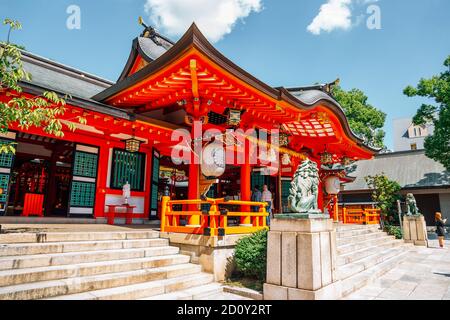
[102, 174]
[148, 181]
[246, 192]
[336, 209]
[193, 192]
[320, 196]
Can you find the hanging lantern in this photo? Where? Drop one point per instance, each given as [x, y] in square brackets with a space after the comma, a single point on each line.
[284, 139]
[234, 117]
[326, 158]
[132, 145]
[332, 185]
[213, 160]
[285, 159]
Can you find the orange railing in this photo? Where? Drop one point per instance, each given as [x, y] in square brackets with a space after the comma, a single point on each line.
[215, 220]
[360, 216]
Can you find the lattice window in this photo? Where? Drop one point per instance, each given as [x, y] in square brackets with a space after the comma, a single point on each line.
[257, 179]
[4, 182]
[310, 128]
[285, 186]
[6, 159]
[129, 167]
[155, 173]
[85, 164]
[83, 194]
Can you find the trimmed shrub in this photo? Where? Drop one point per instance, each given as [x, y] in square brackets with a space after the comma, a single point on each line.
[393, 231]
[251, 255]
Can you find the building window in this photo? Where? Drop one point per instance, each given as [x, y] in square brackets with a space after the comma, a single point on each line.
[417, 131]
[413, 146]
[127, 166]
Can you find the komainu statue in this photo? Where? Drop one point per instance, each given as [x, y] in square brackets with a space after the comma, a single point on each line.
[411, 205]
[304, 188]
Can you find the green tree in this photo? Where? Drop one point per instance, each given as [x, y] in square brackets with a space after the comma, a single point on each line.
[437, 88]
[385, 193]
[27, 111]
[365, 120]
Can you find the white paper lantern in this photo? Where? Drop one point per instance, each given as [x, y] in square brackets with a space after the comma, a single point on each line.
[213, 160]
[285, 159]
[332, 185]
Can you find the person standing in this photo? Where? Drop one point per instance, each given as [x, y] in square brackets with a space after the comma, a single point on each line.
[440, 228]
[267, 197]
[256, 197]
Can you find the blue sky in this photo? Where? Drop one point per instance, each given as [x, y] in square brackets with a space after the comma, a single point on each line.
[273, 44]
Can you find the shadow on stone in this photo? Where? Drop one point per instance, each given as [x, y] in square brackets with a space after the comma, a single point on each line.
[443, 274]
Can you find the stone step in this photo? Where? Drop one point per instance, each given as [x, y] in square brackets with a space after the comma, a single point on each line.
[360, 238]
[195, 293]
[351, 269]
[145, 289]
[57, 259]
[355, 232]
[47, 289]
[29, 275]
[226, 296]
[364, 278]
[76, 236]
[77, 246]
[353, 227]
[351, 247]
[354, 256]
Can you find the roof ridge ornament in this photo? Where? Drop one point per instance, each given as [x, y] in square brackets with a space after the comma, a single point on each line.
[329, 86]
[149, 32]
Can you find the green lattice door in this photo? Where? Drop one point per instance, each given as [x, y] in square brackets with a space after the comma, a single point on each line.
[6, 164]
[154, 185]
[285, 189]
[84, 180]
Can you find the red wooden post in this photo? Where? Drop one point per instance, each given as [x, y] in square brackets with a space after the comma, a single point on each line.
[336, 209]
[110, 214]
[193, 192]
[246, 183]
[148, 183]
[102, 174]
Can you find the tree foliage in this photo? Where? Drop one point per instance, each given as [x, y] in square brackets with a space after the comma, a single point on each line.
[26, 111]
[385, 193]
[365, 120]
[437, 88]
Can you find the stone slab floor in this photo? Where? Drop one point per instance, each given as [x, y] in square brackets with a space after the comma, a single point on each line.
[423, 275]
[32, 228]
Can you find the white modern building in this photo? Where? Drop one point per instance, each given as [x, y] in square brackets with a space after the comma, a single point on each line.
[408, 136]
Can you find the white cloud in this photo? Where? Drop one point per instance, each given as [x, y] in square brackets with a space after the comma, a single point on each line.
[215, 18]
[335, 14]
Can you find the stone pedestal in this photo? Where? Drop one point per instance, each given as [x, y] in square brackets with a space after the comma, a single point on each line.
[415, 230]
[214, 254]
[301, 259]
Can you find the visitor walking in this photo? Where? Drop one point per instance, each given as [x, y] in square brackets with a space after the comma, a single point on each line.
[267, 197]
[440, 228]
[256, 197]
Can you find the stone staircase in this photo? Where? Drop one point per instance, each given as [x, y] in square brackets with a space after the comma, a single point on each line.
[364, 254]
[101, 265]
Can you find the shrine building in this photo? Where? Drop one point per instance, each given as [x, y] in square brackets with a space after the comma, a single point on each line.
[166, 86]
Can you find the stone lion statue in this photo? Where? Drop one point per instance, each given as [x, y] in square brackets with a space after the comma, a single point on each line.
[411, 205]
[304, 188]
